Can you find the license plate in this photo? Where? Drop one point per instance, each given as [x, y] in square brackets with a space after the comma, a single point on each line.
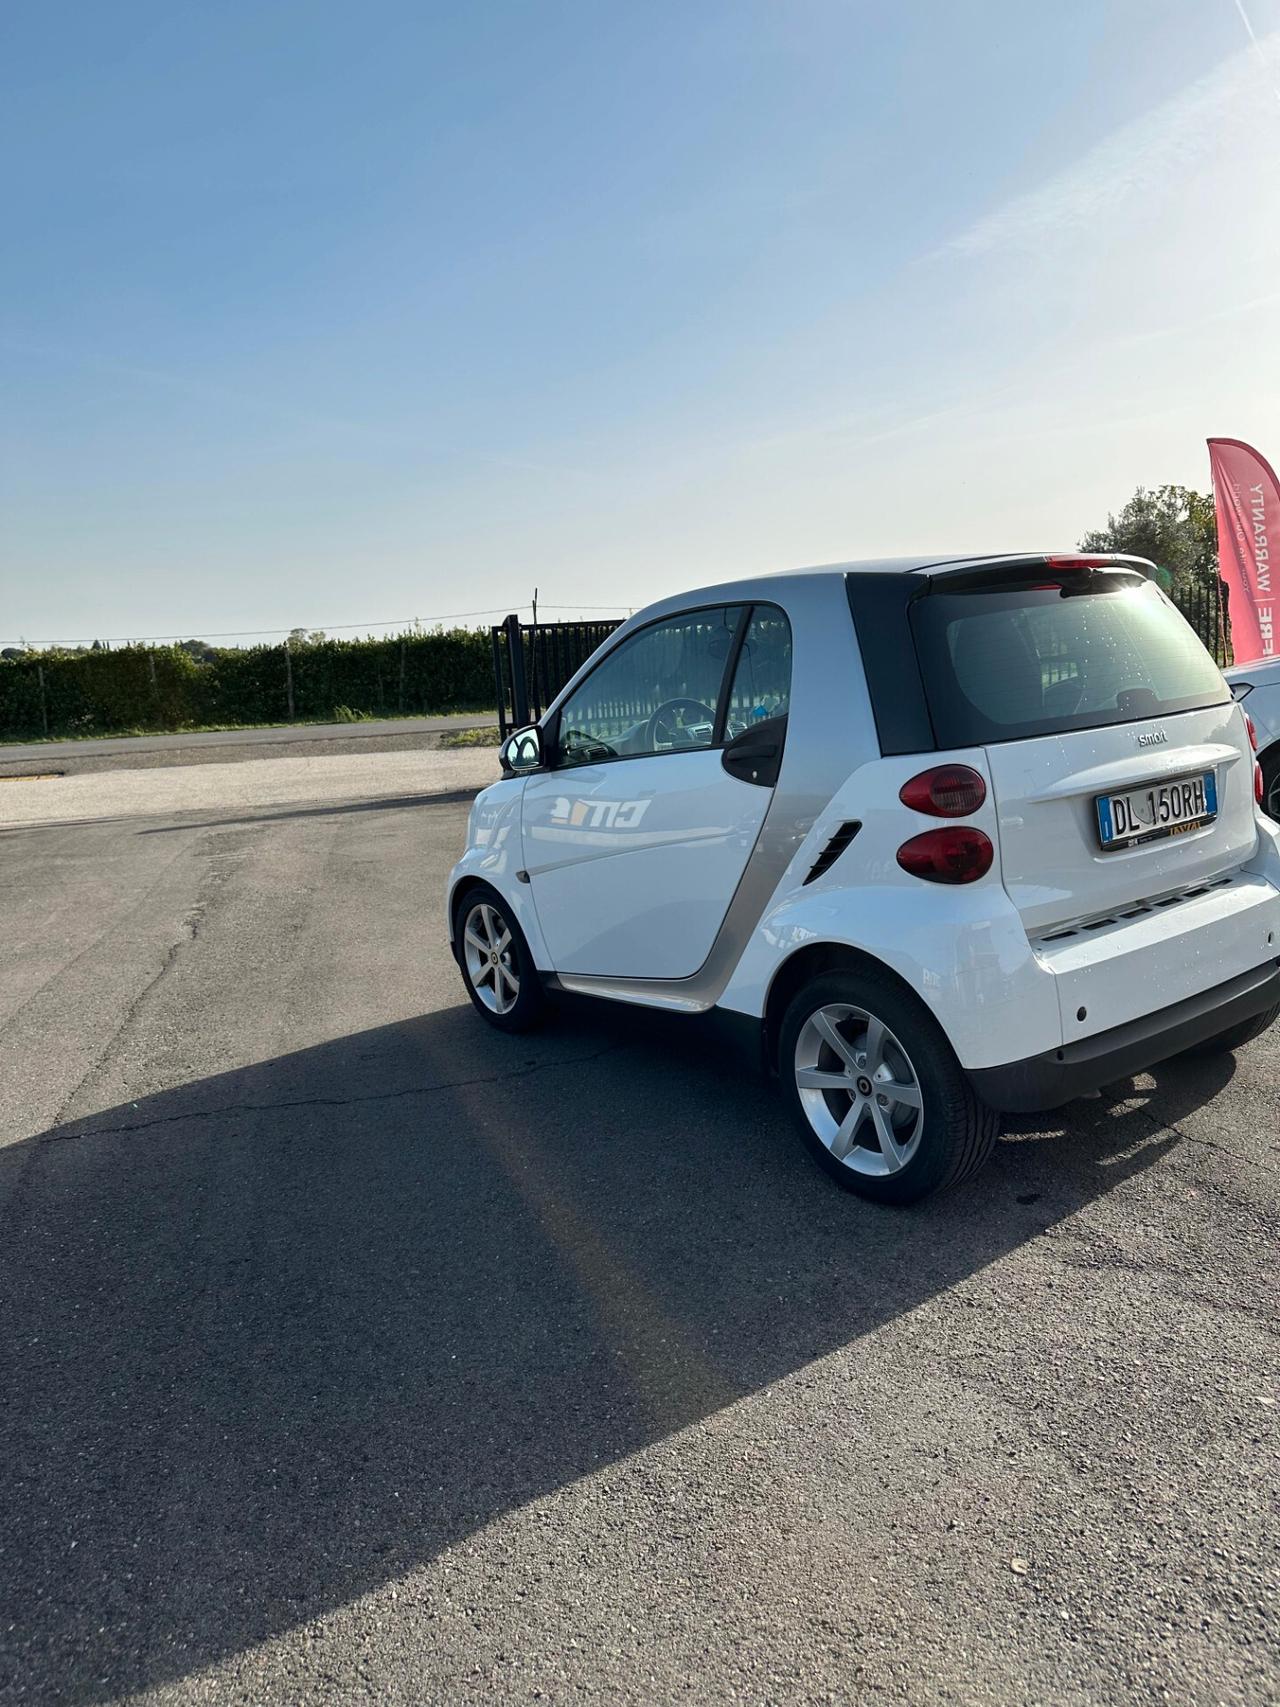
[1158, 810]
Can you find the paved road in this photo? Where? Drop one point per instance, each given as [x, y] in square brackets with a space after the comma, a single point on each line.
[354, 1351]
[340, 781]
[270, 736]
[234, 746]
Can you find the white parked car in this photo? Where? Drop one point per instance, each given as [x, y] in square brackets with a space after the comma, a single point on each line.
[944, 837]
[1257, 687]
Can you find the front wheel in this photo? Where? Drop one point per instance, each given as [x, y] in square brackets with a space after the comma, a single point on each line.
[876, 1091]
[497, 967]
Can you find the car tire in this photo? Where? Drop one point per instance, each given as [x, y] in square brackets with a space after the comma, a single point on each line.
[497, 967]
[863, 1027]
[1235, 1037]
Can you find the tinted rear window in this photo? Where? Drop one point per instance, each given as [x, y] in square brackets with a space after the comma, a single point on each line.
[1001, 662]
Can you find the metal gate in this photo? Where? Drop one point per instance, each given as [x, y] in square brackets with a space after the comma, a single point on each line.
[1205, 604]
[533, 660]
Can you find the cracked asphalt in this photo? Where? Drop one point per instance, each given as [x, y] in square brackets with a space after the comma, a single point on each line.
[353, 1351]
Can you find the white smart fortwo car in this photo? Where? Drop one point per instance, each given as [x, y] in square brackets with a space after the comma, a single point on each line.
[946, 837]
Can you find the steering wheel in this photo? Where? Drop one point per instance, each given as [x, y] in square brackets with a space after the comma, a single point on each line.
[662, 723]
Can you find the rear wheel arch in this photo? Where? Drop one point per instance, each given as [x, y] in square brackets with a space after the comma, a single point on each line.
[811, 962]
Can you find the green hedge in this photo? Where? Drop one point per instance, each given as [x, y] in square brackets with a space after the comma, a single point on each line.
[164, 687]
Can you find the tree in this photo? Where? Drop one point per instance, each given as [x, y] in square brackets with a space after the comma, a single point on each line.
[299, 637]
[1174, 526]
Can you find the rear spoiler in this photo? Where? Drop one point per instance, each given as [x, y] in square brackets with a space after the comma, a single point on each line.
[959, 574]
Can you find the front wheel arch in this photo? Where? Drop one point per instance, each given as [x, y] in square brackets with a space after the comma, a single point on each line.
[460, 893]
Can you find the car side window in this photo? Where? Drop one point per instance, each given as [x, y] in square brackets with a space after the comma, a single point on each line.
[762, 681]
[658, 692]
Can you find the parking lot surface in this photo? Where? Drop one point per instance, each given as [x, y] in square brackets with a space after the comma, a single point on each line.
[354, 1351]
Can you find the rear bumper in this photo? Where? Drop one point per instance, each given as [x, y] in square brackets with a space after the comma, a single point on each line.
[1048, 1080]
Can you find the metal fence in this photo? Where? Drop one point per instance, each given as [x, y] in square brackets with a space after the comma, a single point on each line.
[533, 661]
[1206, 606]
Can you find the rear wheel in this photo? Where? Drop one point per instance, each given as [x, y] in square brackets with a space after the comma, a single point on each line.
[497, 967]
[876, 1091]
[1236, 1037]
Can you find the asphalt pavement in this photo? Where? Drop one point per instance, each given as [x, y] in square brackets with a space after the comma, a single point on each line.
[354, 1351]
[224, 746]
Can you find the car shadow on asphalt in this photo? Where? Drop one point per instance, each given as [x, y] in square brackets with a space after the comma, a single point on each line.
[340, 809]
[279, 1335]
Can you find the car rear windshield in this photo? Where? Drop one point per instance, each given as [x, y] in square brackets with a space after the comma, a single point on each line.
[1003, 661]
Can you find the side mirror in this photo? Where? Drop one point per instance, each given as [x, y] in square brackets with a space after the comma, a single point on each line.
[522, 751]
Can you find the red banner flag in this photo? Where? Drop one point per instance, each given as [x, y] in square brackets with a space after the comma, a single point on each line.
[1247, 499]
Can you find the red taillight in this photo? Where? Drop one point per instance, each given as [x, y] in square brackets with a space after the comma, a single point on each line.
[957, 854]
[947, 791]
[1059, 562]
[1257, 782]
[1251, 726]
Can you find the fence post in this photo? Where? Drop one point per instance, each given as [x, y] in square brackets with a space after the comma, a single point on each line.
[288, 679]
[499, 682]
[1224, 620]
[44, 704]
[519, 688]
[403, 644]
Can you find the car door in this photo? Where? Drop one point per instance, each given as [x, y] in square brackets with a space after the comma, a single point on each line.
[635, 839]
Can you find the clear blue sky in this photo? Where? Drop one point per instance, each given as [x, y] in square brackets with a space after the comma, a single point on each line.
[330, 314]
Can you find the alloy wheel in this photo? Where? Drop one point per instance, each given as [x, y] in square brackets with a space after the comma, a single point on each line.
[859, 1090]
[489, 953]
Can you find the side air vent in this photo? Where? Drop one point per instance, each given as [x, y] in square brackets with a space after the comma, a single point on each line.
[834, 848]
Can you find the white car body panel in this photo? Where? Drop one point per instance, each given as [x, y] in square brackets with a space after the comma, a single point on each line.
[998, 993]
[964, 950]
[671, 832]
[493, 855]
[1191, 944]
[969, 961]
[1045, 787]
[997, 997]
